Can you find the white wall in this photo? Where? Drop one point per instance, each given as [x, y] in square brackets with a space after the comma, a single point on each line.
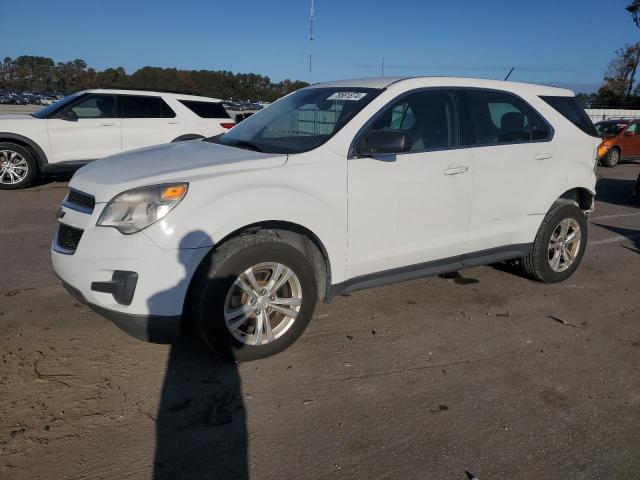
[599, 114]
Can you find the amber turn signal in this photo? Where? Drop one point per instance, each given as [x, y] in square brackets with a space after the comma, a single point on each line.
[175, 192]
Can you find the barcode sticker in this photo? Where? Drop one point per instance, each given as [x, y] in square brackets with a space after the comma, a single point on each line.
[348, 96]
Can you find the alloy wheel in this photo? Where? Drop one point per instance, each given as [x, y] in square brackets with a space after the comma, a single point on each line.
[564, 245]
[13, 167]
[262, 303]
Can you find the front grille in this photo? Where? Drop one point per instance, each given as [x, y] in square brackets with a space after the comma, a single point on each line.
[69, 237]
[84, 201]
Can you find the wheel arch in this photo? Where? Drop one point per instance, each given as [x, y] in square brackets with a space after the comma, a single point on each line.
[187, 136]
[297, 236]
[581, 196]
[38, 154]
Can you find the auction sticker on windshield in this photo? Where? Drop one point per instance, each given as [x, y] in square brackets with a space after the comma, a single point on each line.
[350, 96]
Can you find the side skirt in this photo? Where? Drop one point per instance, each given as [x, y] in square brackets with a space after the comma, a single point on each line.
[436, 267]
[63, 167]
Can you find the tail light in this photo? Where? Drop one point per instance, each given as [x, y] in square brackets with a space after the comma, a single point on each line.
[228, 125]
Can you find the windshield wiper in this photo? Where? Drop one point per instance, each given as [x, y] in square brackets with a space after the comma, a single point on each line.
[244, 144]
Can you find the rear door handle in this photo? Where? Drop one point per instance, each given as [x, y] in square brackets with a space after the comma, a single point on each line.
[544, 156]
[173, 122]
[107, 124]
[456, 170]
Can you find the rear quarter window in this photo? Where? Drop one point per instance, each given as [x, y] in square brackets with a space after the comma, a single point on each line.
[134, 106]
[570, 109]
[206, 109]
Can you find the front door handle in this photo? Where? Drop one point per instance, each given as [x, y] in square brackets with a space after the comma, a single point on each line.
[456, 170]
[544, 156]
[107, 124]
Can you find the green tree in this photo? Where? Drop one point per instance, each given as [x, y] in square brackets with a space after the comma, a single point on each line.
[620, 80]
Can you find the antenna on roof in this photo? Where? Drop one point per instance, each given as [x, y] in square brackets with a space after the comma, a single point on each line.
[382, 68]
[311, 37]
[509, 74]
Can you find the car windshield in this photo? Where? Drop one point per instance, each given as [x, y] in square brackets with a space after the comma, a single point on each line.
[300, 121]
[46, 111]
[610, 129]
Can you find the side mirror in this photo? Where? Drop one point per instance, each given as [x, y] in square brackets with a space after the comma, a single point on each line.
[383, 142]
[68, 115]
[630, 134]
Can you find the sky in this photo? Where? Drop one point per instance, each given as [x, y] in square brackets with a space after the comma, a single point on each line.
[559, 42]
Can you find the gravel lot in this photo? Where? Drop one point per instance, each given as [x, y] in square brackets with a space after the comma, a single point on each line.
[486, 372]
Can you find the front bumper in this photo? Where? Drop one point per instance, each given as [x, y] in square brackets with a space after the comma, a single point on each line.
[148, 328]
[149, 308]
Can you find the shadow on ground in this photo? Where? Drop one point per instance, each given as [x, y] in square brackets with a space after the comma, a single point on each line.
[201, 431]
[617, 192]
[201, 428]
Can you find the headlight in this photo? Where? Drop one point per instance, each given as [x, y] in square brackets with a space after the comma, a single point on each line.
[136, 209]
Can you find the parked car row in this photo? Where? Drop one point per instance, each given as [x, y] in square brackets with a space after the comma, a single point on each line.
[28, 98]
[244, 105]
[620, 141]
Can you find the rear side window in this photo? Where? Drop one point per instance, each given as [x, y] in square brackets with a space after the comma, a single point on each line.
[206, 109]
[134, 106]
[572, 111]
[502, 118]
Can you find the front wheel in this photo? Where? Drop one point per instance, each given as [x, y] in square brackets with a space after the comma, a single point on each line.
[559, 245]
[253, 297]
[17, 166]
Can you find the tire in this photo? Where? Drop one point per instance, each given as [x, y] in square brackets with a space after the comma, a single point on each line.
[17, 166]
[538, 264]
[216, 292]
[612, 158]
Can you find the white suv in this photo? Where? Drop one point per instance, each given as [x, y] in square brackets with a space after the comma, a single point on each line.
[93, 124]
[336, 187]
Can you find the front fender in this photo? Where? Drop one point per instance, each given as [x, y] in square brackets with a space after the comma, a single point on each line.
[206, 219]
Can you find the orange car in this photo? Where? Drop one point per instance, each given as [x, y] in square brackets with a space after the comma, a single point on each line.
[620, 141]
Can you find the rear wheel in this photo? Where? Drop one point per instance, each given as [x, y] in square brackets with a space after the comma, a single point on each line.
[612, 158]
[17, 166]
[559, 245]
[253, 297]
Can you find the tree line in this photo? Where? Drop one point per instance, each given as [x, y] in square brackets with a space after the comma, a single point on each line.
[42, 74]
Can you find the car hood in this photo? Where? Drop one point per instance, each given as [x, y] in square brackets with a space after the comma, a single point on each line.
[174, 162]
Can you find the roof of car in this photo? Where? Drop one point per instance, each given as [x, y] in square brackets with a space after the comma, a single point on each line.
[183, 96]
[384, 82]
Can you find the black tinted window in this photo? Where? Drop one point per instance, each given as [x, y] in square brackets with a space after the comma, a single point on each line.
[206, 109]
[428, 118]
[145, 107]
[501, 118]
[572, 111]
[610, 129]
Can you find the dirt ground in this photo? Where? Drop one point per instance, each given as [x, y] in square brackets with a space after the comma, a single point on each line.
[487, 372]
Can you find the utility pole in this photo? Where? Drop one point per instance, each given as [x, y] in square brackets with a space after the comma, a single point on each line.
[311, 37]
